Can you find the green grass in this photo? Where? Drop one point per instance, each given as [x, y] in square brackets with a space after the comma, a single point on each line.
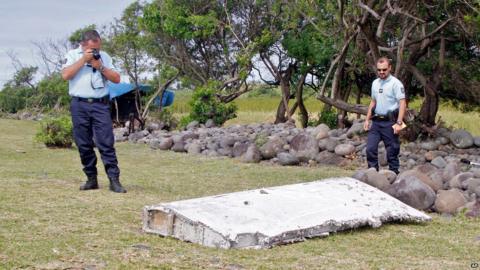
[47, 223]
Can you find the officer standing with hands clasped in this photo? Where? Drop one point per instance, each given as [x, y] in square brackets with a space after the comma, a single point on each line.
[386, 110]
[87, 70]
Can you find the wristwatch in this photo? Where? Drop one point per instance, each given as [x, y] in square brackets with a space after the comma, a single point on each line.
[101, 69]
[399, 123]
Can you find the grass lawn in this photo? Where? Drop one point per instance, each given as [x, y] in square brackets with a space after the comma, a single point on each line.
[47, 223]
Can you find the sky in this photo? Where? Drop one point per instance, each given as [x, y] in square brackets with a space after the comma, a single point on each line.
[25, 21]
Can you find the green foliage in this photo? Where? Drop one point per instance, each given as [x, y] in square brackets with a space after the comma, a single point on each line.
[167, 117]
[327, 117]
[14, 99]
[261, 139]
[52, 91]
[206, 106]
[56, 132]
[184, 121]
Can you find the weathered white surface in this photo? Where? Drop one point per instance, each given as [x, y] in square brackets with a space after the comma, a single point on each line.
[272, 216]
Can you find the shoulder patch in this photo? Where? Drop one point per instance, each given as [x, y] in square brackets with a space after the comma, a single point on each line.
[402, 90]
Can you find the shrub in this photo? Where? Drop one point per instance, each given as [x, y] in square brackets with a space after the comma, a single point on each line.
[328, 118]
[56, 132]
[205, 105]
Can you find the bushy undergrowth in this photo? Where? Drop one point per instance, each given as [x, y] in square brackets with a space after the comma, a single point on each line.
[205, 105]
[56, 132]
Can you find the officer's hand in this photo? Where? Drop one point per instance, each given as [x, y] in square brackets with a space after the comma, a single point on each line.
[87, 55]
[366, 125]
[396, 128]
[96, 63]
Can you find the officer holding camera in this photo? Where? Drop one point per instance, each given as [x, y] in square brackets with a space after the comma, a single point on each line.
[87, 70]
[386, 110]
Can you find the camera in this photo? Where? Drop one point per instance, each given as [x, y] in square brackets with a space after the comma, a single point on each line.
[96, 54]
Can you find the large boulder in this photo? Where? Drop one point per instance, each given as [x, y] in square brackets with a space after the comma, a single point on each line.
[435, 185]
[328, 158]
[272, 147]
[448, 201]
[461, 138]
[377, 180]
[239, 148]
[450, 170]
[194, 148]
[344, 149]
[287, 159]
[412, 191]
[320, 131]
[457, 180]
[165, 143]
[252, 155]
[304, 146]
[328, 144]
[355, 129]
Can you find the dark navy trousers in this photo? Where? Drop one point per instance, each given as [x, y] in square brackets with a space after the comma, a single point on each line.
[383, 131]
[91, 121]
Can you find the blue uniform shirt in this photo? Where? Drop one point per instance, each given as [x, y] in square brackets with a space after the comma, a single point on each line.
[86, 83]
[387, 94]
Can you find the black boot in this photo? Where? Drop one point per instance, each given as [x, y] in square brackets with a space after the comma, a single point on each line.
[90, 184]
[115, 185]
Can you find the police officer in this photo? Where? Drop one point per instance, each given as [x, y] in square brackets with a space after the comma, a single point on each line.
[87, 70]
[386, 110]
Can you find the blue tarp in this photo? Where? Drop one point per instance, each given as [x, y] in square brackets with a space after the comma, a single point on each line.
[118, 89]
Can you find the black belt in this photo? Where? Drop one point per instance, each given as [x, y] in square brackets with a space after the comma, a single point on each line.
[381, 118]
[103, 100]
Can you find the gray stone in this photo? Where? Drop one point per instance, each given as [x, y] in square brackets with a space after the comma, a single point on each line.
[426, 168]
[457, 180]
[461, 138]
[165, 143]
[228, 152]
[227, 141]
[435, 185]
[413, 192]
[209, 123]
[327, 144]
[152, 126]
[476, 141]
[472, 209]
[192, 125]
[194, 148]
[356, 129]
[442, 140]
[320, 131]
[179, 147]
[304, 146]
[439, 162]
[377, 180]
[272, 147]
[344, 149]
[360, 175]
[134, 137]
[428, 145]
[472, 184]
[252, 155]
[391, 176]
[448, 201]
[287, 159]
[431, 155]
[328, 158]
[450, 171]
[239, 148]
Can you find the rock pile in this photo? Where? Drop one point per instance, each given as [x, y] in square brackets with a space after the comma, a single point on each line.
[431, 178]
